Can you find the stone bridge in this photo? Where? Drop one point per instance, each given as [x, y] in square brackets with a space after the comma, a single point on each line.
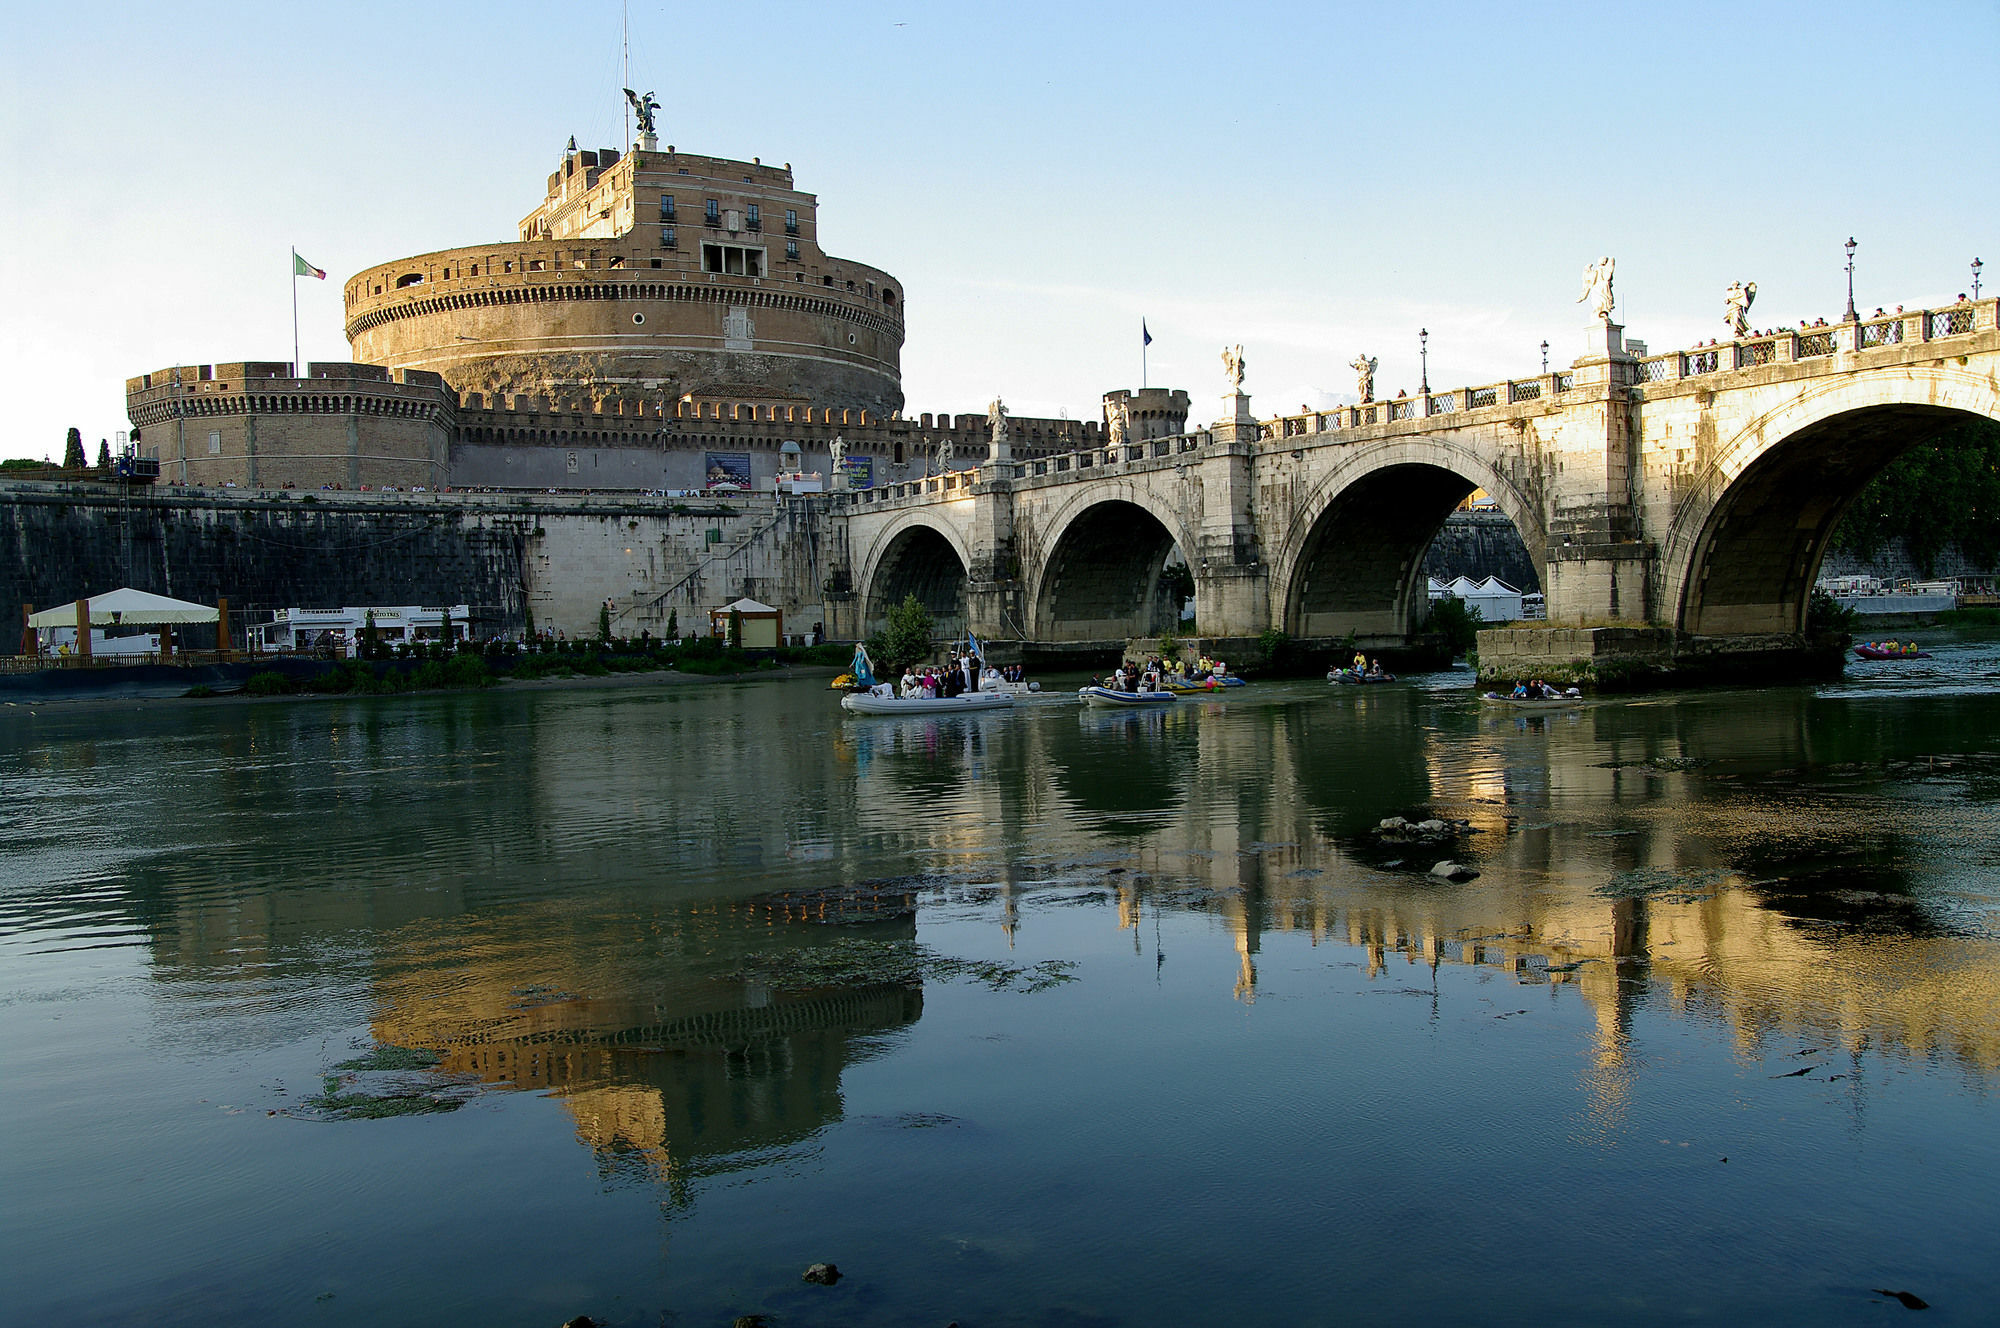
[1693, 493]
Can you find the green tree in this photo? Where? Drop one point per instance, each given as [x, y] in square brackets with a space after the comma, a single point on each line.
[906, 638]
[371, 637]
[735, 629]
[604, 621]
[1456, 621]
[673, 624]
[1940, 494]
[73, 450]
[104, 454]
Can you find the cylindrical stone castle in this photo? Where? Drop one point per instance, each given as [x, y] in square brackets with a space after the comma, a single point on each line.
[649, 272]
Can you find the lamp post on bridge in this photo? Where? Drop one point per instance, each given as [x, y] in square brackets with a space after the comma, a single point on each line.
[1851, 315]
[1977, 266]
[1545, 357]
[1424, 358]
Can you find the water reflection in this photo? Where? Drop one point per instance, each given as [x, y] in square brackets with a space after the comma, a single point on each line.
[563, 892]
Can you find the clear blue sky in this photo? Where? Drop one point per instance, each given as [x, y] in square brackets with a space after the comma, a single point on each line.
[1309, 180]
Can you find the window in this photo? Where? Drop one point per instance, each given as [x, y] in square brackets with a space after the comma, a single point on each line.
[756, 218]
[713, 213]
[668, 238]
[732, 260]
[792, 251]
[666, 207]
[826, 281]
[215, 444]
[791, 221]
[682, 171]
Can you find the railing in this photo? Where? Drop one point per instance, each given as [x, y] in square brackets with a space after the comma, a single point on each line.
[1519, 392]
[1881, 334]
[1656, 370]
[1475, 397]
[1699, 362]
[1404, 409]
[1812, 345]
[1754, 354]
[1951, 322]
[1444, 403]
[1565, 382]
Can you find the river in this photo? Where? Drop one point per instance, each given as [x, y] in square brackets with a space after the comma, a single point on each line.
[636, 1001]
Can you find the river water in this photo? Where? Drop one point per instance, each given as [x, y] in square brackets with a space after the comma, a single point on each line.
[636, 1001]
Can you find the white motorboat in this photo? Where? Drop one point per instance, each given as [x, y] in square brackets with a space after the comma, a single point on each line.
[1109, 696]
[867, 703]
[991, 681]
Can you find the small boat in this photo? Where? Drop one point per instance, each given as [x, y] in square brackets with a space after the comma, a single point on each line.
[1878, 652]
[867, 703]
[991, 681]
[1533, 702]
[1107, 696]
[1350, 677]
[1195, 686]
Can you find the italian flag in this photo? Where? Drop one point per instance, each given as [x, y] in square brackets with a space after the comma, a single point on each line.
[301, 268]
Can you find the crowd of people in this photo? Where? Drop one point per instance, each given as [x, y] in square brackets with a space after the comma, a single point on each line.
[960, 674]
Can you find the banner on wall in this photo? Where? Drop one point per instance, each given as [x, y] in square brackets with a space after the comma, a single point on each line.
[860, 472]
[728, 470]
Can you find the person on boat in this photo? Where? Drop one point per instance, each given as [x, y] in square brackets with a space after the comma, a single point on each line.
[1374, 668]
[1360, 663]
[1520, 692]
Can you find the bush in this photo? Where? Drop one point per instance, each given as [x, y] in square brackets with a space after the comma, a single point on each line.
[1456, 621]
[1827, 616]
[269, 684]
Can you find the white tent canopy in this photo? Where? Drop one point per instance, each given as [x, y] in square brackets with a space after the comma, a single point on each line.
[746, 606]
[124, 607]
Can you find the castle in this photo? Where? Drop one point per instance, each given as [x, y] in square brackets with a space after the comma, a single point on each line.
[663, 321]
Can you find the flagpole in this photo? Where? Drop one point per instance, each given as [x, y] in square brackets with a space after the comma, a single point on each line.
[295, 313]
[1145, 340]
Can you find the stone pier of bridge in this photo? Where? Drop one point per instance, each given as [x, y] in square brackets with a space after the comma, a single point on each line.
[1676, 506]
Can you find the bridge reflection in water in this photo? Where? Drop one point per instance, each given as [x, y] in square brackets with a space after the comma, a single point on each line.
[1784, 865]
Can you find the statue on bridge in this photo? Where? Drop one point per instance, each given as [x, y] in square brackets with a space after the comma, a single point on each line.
[944, 454]
[996, 423]
[1597, 288]
[837, 456]
[1232, 367]
[1736, 303]
[1364, 375]
[1120, 421]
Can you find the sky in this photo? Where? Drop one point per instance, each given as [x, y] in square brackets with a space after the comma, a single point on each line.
[1312, 181]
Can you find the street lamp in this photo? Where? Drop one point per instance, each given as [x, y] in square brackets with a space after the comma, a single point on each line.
[1851, 315]
[1424, 355]
[1545, 357]
[1976, 267]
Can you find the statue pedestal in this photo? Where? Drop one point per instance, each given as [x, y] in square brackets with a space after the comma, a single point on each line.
[1604, 340]
[1237, 424]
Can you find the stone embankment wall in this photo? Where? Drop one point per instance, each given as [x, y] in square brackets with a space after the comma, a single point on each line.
[1893, 562]
[1479, 545]
[558, 558]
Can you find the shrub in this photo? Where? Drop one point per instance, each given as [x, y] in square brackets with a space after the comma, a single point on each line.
[1456, 621]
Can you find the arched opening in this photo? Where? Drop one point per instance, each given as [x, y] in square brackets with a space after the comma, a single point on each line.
[1365, 567]
[1758, 553]
[919, 562]
[1105, 579]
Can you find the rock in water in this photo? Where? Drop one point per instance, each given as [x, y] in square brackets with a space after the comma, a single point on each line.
[822, 1274]
[581, 1321]
[1432, 827]
[1454, 871]
[1908, 1300]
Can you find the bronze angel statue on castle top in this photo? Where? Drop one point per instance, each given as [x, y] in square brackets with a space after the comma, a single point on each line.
[647, 107]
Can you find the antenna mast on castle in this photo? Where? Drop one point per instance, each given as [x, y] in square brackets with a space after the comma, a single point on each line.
[625, 39]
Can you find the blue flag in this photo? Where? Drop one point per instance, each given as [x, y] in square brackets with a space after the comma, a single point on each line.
[972, 646]
[1146, 338]
[863, 668]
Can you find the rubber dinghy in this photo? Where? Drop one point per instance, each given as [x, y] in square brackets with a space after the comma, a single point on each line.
[866, 703]
[1877, 652]
[1109, 696]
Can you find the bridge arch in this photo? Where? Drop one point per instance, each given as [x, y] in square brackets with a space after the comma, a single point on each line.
[1746, 541]
[1353, 559]
[1093, 565]
[916, 554]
